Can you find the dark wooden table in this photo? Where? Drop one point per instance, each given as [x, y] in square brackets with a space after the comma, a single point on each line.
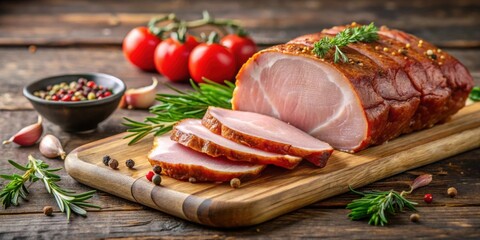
[43, 38]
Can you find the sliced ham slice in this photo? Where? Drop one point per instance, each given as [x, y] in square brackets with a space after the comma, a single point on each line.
[191, 133]
[266, 133]
[181, 163]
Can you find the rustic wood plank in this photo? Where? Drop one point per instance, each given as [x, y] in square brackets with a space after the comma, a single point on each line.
[445, 23]
[436, 222]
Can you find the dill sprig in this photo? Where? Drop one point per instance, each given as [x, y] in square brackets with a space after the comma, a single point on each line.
[182, 105]
[34, 170]
[378, 205]
[366, 33]
[375, 205]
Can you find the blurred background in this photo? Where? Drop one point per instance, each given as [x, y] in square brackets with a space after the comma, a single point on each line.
[57, 22]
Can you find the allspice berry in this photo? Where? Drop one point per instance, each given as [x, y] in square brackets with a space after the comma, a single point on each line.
[452, 192]
[235, 183]
[48, 210]
[113, 163]
[415, 217]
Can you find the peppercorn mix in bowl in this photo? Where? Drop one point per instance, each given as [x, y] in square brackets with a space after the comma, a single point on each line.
[76, 102]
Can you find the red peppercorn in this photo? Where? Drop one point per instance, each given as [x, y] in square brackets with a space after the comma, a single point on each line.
[106, 94]
[67, 98]
[55, 98]
[91, 84]
[150, 175]
[71, 92]
[428, 198]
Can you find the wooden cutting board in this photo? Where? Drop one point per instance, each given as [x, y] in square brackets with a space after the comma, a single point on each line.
[277, 191]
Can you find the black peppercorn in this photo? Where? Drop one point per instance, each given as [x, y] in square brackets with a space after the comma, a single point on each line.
[157, 169]
[130, 163]
[106, 158]
[157, 179]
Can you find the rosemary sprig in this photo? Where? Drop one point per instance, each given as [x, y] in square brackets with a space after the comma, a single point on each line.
[182, 105]
[475, 94]
[35, 169]
[16, 188]
[377, 205]
[366, 33]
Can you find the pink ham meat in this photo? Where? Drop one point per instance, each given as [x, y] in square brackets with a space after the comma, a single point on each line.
[191, 133]
[182, 163]
[266, 133]
[386, 89]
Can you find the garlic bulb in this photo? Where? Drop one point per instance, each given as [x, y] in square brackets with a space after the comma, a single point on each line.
[141, 98]
[51, 147]
[28, 135]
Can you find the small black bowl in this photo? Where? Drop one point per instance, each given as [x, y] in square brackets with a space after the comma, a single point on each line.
[76, 116]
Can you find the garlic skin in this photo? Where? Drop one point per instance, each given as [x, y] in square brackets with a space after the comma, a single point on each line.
[141, 98]
[50, 147]
[28, 135]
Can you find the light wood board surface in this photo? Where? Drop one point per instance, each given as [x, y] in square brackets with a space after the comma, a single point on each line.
[276, 191]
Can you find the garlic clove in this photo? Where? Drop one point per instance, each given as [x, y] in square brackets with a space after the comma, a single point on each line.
[143, 97]
[28, 135]
[50, 147]
[123, 102]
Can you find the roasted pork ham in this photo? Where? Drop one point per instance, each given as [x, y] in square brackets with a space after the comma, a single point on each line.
[395, 85]
[266, 133]
[191, 133]
[182, 163]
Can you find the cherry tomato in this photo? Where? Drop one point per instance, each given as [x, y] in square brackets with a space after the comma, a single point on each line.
[212, 61]
[171, 58]
[242, 47]
[139, 46]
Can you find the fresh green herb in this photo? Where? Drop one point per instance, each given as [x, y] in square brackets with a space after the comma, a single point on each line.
[475, 94]
[175, 107]
[35, 170]
[377, 205]
[366, 33]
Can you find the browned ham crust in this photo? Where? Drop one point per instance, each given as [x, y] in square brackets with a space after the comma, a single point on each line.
[389, 87]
